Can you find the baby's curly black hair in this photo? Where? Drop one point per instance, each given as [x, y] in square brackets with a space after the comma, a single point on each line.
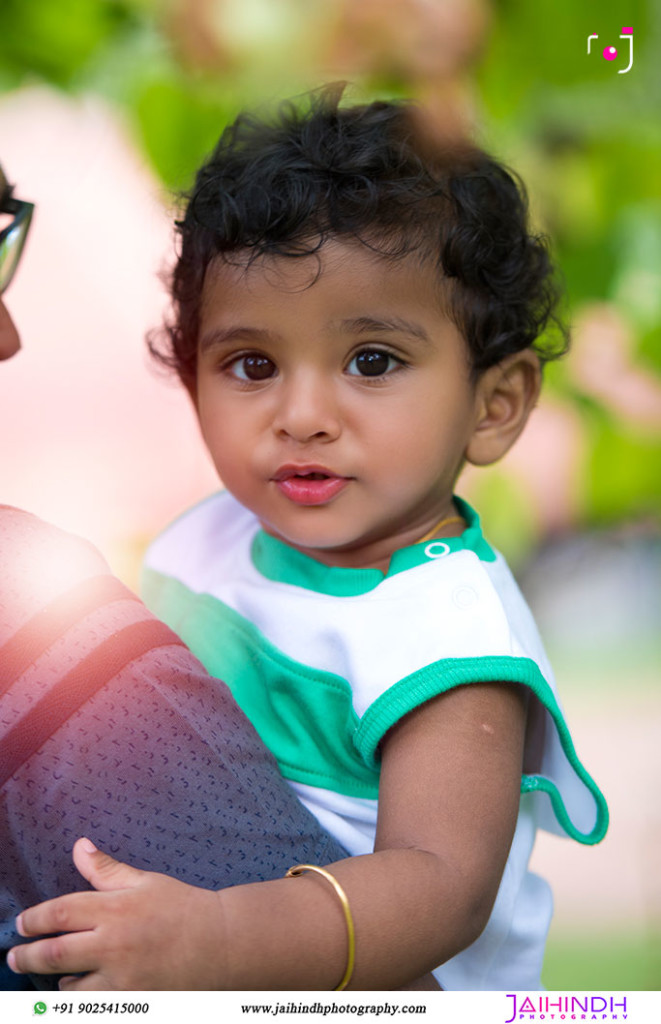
[283, 185]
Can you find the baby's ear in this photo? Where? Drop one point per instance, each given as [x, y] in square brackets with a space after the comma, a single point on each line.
[505, 396]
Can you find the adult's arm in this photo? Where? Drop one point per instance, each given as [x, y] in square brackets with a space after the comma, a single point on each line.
[141, 749]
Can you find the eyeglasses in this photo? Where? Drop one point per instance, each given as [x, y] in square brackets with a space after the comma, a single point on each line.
[12, 237]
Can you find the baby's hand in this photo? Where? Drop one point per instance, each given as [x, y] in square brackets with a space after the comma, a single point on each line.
[140, 931]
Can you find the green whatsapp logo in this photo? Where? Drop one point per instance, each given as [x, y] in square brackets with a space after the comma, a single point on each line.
[40, 1008]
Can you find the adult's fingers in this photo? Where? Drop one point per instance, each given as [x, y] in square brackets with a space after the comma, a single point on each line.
[63, 954]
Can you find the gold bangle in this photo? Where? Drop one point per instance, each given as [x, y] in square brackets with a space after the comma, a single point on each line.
[298, 869]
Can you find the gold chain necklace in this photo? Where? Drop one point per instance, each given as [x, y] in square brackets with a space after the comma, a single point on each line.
[439, 525]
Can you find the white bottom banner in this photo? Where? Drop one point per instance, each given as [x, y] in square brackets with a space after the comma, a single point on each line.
[313, 1008]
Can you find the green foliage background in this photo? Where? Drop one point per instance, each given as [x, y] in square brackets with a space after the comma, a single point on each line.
[586, 140]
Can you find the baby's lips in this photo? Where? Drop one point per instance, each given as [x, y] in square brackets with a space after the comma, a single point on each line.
[303, 471]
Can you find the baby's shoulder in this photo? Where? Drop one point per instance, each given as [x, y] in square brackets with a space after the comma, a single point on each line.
[215, 529]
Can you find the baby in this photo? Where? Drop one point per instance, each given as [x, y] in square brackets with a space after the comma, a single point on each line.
[357, 315]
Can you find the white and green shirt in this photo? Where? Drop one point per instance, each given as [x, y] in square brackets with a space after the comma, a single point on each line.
[324, 660]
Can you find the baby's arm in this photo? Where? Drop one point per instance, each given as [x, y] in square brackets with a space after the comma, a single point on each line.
[448, 804]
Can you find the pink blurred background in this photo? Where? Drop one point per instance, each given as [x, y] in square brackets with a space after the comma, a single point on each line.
[94, 439]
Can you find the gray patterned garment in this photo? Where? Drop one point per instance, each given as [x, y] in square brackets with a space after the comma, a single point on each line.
[111, 729]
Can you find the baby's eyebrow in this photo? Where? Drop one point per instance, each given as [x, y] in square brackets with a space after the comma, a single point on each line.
[226, 335]
[383, 325]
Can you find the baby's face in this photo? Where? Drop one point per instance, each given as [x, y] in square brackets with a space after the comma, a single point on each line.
[335, 398]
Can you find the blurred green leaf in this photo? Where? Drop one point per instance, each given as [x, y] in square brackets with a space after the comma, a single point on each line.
[624, 480]
[57, 39]
[179, 126]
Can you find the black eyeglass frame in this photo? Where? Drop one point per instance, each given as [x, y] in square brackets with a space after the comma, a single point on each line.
[22, 216]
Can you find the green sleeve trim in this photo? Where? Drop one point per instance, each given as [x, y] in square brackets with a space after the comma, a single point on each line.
[539, 784]
[449, 673]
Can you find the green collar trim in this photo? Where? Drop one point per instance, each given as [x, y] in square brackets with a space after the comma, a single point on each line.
[277, 561]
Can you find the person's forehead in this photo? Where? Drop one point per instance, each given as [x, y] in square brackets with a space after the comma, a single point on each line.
[345, 284]
[334, 258]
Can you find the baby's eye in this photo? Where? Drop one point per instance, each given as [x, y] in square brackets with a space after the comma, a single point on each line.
[372, 362]
[253, 367]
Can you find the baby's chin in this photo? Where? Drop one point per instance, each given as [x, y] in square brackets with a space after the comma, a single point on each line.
[319, 544]
[344, 550]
